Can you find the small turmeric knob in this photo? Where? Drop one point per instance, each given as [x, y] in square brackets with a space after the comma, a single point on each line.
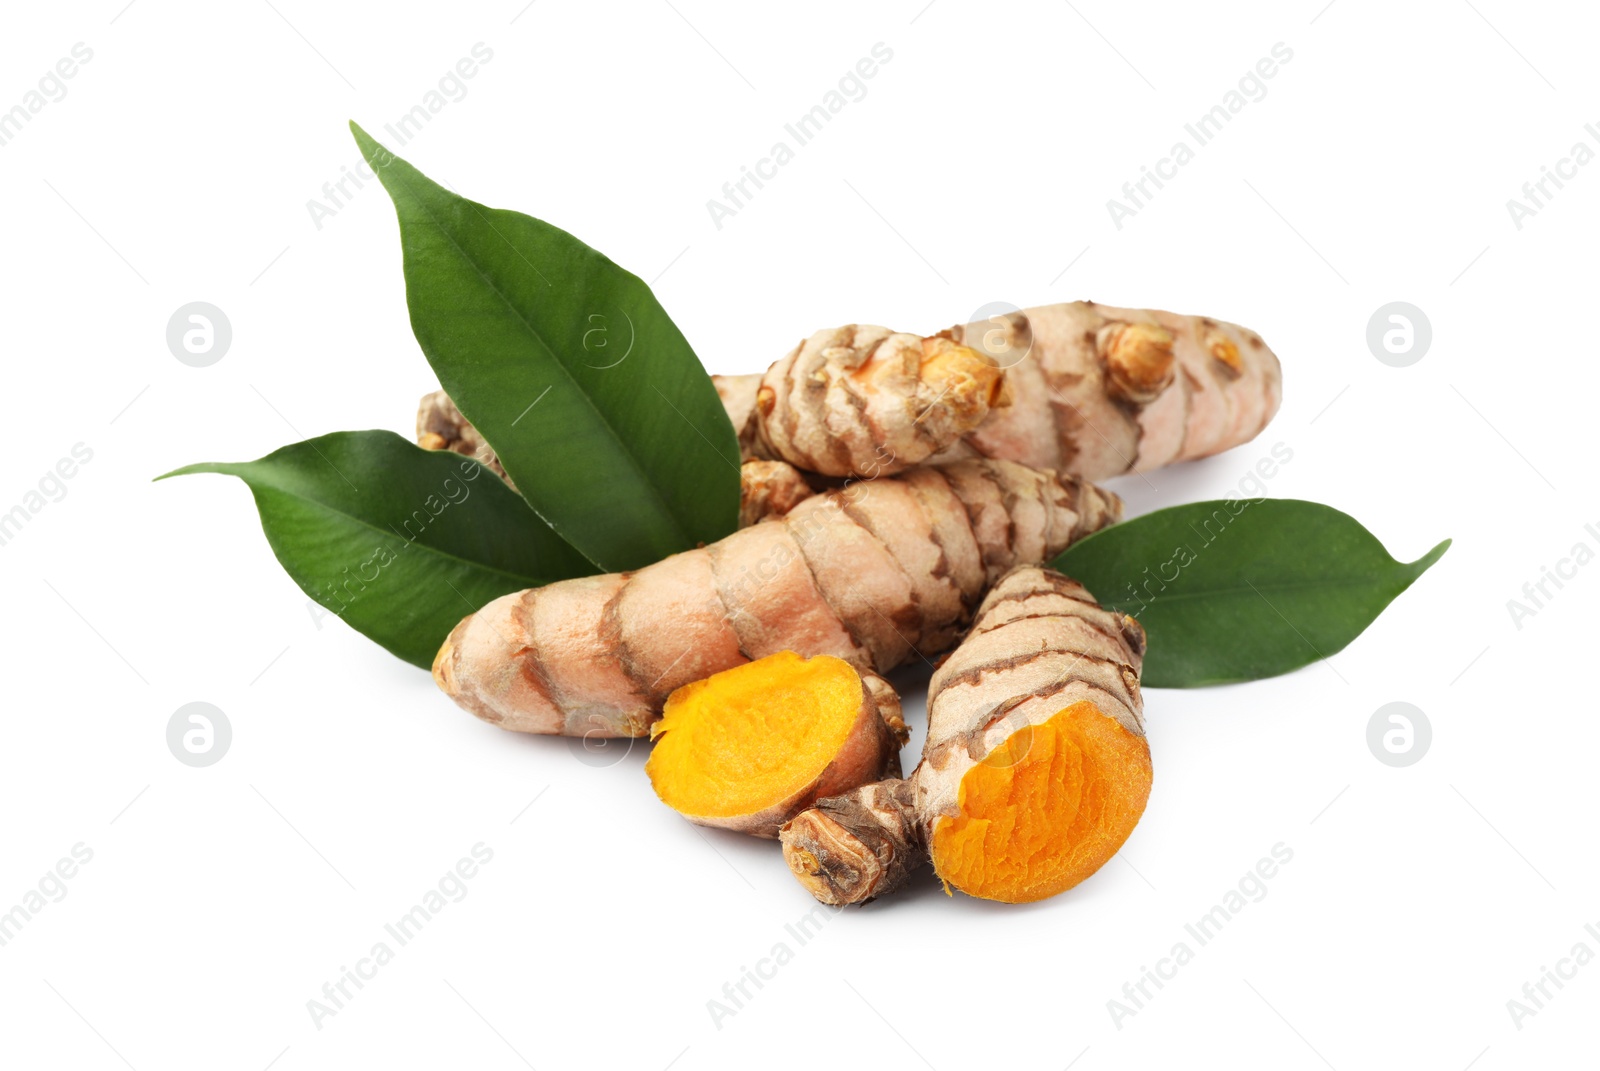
[768, 490]
[856, 847]
[840, 880]
[970, 382]
[1224, 349]
[1138, 358]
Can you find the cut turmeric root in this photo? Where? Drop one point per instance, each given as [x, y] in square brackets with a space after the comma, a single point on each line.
[1045, 809]
[748, 748]
[1035, 770]
[874, 574]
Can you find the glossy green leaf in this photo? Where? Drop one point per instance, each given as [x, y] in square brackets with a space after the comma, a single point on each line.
[1238, 590]
[590, 395]
[400, 542]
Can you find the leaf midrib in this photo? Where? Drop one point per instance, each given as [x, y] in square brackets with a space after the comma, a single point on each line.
[1252, 589]
[528, 581]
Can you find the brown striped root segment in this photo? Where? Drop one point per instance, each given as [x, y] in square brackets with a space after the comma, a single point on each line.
[1089, 390]
[1099, 391]
[864, 401]
[855, 847]
[1045, 809]
[875, 574]
[748, 748]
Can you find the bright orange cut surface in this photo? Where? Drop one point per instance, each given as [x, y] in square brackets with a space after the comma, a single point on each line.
[750, 737]
[1045, 809]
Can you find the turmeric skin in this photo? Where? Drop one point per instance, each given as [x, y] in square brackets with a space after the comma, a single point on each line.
[875, 574]
[1078, 388]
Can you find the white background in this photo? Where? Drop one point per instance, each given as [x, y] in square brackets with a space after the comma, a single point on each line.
[220, 900]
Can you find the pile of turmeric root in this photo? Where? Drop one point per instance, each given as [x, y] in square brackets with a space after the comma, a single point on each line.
[901, 496]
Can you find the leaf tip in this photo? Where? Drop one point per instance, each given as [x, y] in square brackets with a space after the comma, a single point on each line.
[369, 146]
[186, 470]
[1426, 562]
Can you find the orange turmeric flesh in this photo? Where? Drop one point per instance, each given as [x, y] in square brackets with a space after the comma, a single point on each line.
[1045, 809]
[750, 738]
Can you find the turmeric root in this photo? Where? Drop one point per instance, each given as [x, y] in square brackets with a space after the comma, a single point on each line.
[767, 489]
[1103, 391]
[441, 426]
[852, 401]
[1079, 388]
[1091, 391]
[863, 401]
[874, 574]
[749, 748]
[1035, 769]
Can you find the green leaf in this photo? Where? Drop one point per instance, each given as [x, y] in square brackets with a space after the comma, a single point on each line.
[400, 542]
[590, 395]
[1238, 590]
